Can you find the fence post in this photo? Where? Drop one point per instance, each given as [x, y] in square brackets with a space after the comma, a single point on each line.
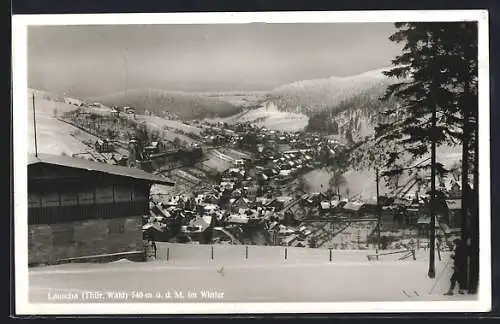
[168, 253]
[212, 254]
[413, 254]
[330, 254]
[286, 253]
[246, 252]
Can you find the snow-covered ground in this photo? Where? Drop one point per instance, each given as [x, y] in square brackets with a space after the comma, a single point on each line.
[264, 277]
[158, 123]
[240, 98]
[161, 122]
[53, 136]
[270, 117]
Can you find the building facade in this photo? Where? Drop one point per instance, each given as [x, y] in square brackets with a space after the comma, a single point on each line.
[80, 209]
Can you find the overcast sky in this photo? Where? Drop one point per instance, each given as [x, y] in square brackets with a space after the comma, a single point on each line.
[97, 59]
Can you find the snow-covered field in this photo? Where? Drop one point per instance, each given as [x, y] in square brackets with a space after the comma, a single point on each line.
[264, 277]
[158, 123]
[240, 99]
[161, 122]
[270, 117]
[53, 136]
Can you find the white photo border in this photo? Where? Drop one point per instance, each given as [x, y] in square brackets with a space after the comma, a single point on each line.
[20, 25]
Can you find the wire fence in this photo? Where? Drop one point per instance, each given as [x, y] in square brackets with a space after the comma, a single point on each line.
[226, 253]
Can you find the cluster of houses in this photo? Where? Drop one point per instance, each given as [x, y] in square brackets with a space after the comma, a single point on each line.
[81, 103]
[264, 141]
[278, 154]
[227, 212]
[127, 110]
[247, 200]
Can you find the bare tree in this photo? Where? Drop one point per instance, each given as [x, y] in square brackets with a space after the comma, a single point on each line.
[337, 180]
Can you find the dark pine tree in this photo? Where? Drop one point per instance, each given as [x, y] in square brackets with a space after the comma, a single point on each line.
[433, 84]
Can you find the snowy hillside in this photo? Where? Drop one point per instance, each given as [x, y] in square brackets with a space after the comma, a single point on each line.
[351, 103]
[241, 99]
[53, 136]
[270, 117]
[311, 96]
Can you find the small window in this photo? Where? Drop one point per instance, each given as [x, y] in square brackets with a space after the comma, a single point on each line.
[86, 196]
[123, 192]
[69, 198]
[50, 199]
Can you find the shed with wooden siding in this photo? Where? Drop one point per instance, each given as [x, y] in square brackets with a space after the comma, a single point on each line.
[79, 208]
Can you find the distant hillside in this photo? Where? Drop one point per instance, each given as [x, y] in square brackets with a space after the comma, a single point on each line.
[182, 104]
[270, 117]
[311, 96]
[243, 99]
[345, 106]
[337, 105]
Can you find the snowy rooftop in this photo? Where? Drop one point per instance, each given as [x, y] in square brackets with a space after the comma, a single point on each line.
[83, 164]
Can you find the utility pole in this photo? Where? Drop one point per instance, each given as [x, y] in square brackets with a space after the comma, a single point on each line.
[377, 180]
[432, 267]
[34, 125]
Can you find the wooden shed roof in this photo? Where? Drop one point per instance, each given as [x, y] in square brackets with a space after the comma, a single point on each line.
[83, 164]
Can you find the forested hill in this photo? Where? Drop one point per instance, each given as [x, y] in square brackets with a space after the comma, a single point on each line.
[183, 105]
[312, 96]
[353, 118]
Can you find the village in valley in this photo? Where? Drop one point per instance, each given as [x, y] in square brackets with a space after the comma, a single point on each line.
[243, 184]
